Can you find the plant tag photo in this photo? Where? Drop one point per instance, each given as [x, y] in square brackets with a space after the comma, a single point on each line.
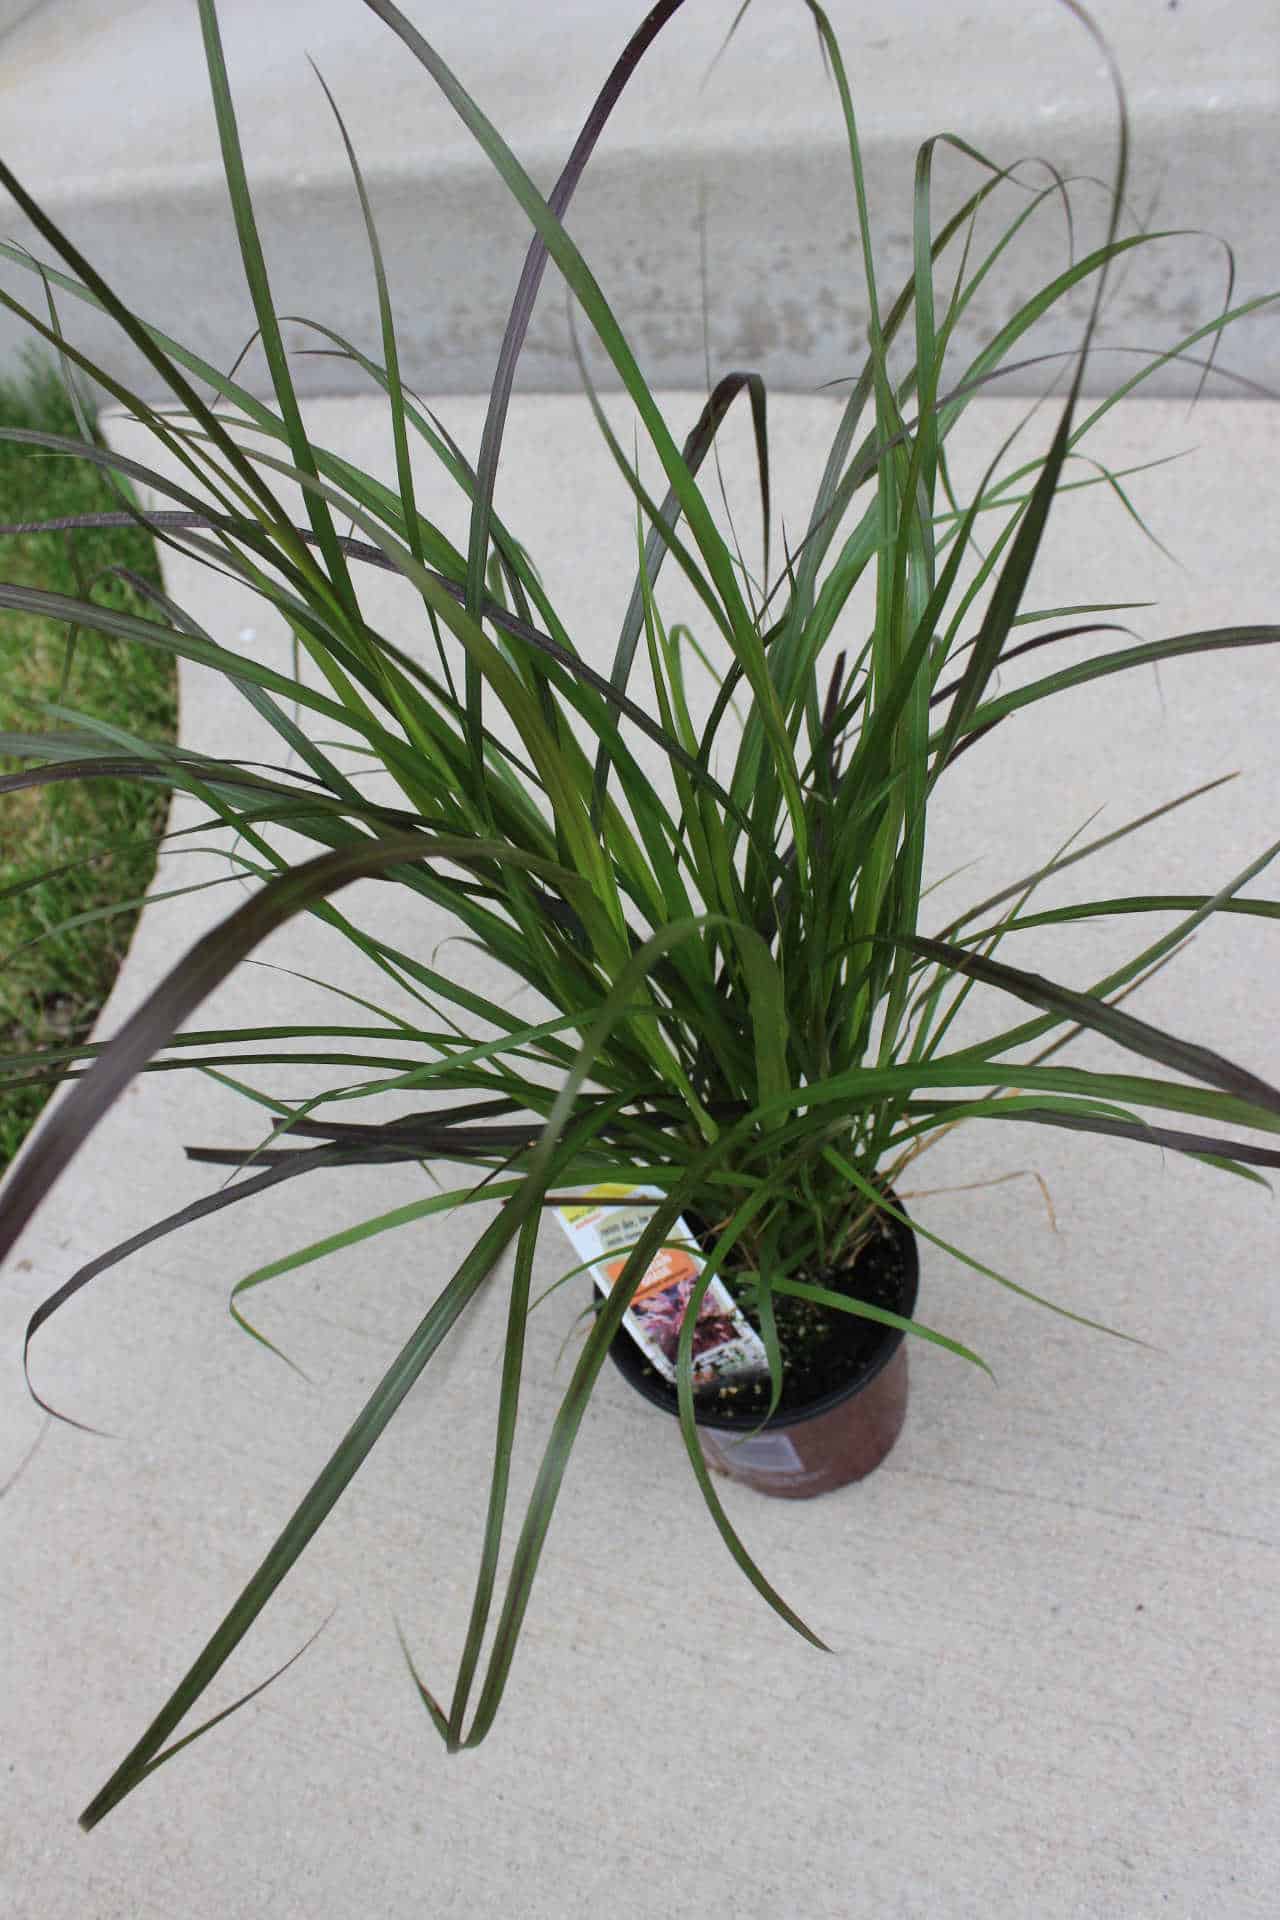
[724, 1344]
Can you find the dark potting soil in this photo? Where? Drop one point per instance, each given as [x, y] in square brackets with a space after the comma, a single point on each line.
[822, 1348]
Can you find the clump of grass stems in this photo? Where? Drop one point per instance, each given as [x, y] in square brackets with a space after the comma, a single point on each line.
[742, 1007]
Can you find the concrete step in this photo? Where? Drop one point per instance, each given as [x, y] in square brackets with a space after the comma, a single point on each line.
[106, 119]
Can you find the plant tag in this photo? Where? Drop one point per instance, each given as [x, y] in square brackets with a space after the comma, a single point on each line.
[603, 1229]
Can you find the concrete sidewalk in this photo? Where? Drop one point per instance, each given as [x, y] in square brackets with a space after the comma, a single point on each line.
[1055, 1689]
[106, 118]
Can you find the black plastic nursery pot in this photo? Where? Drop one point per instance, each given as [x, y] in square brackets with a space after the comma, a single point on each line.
[838, 1435]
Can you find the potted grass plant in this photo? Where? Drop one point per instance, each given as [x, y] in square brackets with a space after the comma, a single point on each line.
[747, 1011]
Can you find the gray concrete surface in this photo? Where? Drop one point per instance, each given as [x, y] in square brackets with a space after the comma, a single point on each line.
[1056, 1675]
[105, 115]
[14, 11]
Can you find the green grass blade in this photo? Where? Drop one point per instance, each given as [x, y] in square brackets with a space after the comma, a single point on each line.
[313, 1510]
[255, 270]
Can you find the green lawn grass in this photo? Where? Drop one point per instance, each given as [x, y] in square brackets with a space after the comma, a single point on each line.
[54, 976]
